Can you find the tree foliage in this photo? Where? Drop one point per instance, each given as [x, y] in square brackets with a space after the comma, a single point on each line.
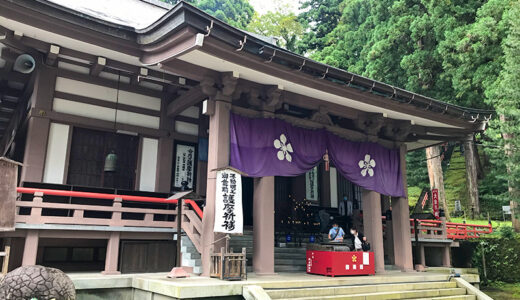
[281, 24]
[320, 17]
[237, 13]
[463, 52]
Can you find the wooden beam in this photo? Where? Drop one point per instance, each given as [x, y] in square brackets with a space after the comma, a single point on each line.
[348, 134]
[52, 54]
[98, 66]
[190, 98]
[436, 138]
[13, 76]
[8, 105]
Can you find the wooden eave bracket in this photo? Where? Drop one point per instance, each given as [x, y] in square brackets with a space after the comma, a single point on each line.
[52, 54]
[98, 66]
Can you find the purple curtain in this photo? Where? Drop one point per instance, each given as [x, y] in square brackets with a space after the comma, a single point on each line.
[368, 165]
[272, 147]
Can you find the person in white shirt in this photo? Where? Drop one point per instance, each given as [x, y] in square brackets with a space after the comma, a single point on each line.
[357, 239]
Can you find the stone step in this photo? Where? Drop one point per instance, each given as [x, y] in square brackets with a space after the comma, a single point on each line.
[197, 270]
[348, 290]
[458, 297]
[191, 262]
[289, 261]
[291, 250]
[290, 268]
[429, 294]
[186, 249]
[191, 255]
[290, 255]
[281, 268]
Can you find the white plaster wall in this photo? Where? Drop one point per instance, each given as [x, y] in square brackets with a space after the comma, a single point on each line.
[81, 88]
[192, 112]
[139, 100]
[131, 118]
[147, 177]
[186, 128]
[56, 156]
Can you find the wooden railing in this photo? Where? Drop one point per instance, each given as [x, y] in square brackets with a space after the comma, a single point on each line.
[37, 210]
[428, 229]
[438, 229]
[462, 231]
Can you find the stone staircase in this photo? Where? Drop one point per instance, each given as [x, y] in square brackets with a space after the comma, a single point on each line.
[411, 290]
[287, 259]
[190, 255]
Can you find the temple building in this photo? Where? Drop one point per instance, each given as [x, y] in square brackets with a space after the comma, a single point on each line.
[105, 115]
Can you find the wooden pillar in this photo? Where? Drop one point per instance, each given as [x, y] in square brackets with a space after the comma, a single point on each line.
[218, 156]
[30, 249]
[35, 149]
[38, 127]
[471, 175]
[263, 226]
[422, 256]
[446, 259]
[163, 178]
[324, 190]
[112, 254]
[388, 232]
[401, 223]
[373, 226]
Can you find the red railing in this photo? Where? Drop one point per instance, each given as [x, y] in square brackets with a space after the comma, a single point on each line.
[461, 231]
[193, 204]
[456, 231]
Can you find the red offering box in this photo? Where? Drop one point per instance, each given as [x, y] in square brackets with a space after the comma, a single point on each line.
[338, 263]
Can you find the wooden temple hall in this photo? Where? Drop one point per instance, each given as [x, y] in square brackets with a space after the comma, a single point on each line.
[101, 120]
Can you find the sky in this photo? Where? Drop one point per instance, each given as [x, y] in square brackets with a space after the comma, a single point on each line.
[139, 14]
[262, 6]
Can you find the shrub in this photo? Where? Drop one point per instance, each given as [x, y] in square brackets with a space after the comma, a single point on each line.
[502, 256]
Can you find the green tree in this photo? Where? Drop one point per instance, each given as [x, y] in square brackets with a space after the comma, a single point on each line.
[504, 94]
[473, 55]
[281, 24]
[320, 17]
[237, 13]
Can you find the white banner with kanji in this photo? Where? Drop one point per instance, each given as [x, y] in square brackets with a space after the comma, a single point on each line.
[184, 165]
[228, 203]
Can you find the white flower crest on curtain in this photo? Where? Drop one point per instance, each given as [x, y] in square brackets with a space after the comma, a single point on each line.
[367, 166]
[284, 148]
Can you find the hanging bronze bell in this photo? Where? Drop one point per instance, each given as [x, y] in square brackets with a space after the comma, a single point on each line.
[111, 162]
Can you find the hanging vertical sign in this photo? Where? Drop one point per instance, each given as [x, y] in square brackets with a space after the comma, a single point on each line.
[228, 202]
[425, 198]
[435, 203]
[311, 184]
[184, 165]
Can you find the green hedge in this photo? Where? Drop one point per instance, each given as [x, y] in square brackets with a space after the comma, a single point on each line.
[501, 253]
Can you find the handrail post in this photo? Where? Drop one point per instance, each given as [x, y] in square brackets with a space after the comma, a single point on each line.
[36, 212]
[416, 232]
[116, 215]
[179, 232]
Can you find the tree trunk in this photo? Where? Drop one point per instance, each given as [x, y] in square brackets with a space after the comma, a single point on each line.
[433, 160]
[513, 193]
[471, 176]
